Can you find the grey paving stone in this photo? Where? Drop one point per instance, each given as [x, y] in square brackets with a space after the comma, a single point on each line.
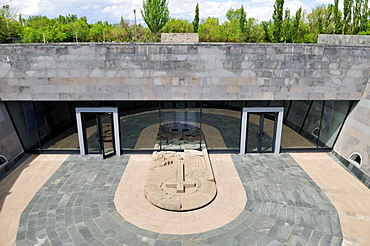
[194, 239]
[336, 241]
[315, 238]
[167, 243]
[94, 242]
[75, 235]
[64, 236]
[111, 242]
[284, 233]
[76, 207]
[223, 242]
[264, 241]
[326, 240]
[275, 243]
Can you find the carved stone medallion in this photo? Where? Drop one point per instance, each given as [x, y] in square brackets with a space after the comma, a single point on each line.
[180, 181]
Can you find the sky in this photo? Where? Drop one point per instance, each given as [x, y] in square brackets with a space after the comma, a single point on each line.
[112, 10]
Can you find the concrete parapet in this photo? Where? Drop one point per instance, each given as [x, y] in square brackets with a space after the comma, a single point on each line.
[345, 40]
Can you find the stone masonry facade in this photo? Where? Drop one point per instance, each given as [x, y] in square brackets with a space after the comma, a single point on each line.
[338, 68]
[203, 71]
[10, 146]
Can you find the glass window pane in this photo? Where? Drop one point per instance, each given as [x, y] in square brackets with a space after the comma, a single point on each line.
[24, 118]
[139, 125]
[60, 128]
[311, 128]
[180, 126]
[91, 133]
[221, 124]
[296, 114]
[333, 118]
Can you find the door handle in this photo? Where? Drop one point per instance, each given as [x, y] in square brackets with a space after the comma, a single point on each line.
[260, 135]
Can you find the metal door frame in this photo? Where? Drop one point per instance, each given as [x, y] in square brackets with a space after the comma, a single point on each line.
[98, 110]
[279, 125]
[101, 136]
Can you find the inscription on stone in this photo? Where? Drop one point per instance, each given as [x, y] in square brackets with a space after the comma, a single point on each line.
[180, 181]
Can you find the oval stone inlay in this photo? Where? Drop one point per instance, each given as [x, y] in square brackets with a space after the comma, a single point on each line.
[180, 181]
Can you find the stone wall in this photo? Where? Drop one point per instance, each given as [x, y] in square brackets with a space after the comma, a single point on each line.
[10, 146]
[355, 135]
[203, 71]
[345, 40]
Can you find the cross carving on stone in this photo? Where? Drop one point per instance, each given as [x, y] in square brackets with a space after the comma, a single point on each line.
[181, 184]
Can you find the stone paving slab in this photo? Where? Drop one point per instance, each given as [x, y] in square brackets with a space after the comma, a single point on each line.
[349, 196]
[284, 207]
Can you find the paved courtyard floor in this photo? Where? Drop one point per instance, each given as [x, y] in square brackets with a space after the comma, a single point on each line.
[286, 199]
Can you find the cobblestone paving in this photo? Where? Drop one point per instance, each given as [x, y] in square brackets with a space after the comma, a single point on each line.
[75, 207]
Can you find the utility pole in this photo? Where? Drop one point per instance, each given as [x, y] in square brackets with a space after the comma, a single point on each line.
[135, 22]
[6, 9]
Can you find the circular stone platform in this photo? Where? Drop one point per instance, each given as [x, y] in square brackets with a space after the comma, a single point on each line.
[180, 181]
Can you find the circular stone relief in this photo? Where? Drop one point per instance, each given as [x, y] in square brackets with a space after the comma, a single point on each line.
[180, 181]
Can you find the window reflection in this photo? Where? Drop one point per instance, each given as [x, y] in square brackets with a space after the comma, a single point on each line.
[175, 125]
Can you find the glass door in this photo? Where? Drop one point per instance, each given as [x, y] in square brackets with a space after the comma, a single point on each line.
[91, 133]
[261, 132]
[106, 134]
[99, 133]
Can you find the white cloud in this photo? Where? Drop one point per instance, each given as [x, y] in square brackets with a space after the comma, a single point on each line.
[112, 10]
[91, 6]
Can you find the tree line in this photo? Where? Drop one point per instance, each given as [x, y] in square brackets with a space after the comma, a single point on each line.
[284, 26]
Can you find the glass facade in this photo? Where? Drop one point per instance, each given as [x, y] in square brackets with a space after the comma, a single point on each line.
[178, 125]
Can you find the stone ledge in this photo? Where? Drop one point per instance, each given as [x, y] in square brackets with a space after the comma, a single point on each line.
[346, 40]
[355, 171]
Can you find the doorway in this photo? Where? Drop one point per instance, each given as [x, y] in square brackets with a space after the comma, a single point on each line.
[261, 130]
[98, 131]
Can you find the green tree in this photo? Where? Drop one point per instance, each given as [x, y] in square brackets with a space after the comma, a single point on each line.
[357, 16]
[267, 31]
[237, 21]
[277, 20]
[320, 20]
[99, 32]
[61, 29]
[255, 31]
[243, 31]
[320, 25]
[209, 30]
[155, 14]
[287, 27]
[347, 16]
[295, 26]
[9, 25]
[3, 30]
[328, 19]
[196, 19]
[337, 17]
[365, 14]
[177, 26]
